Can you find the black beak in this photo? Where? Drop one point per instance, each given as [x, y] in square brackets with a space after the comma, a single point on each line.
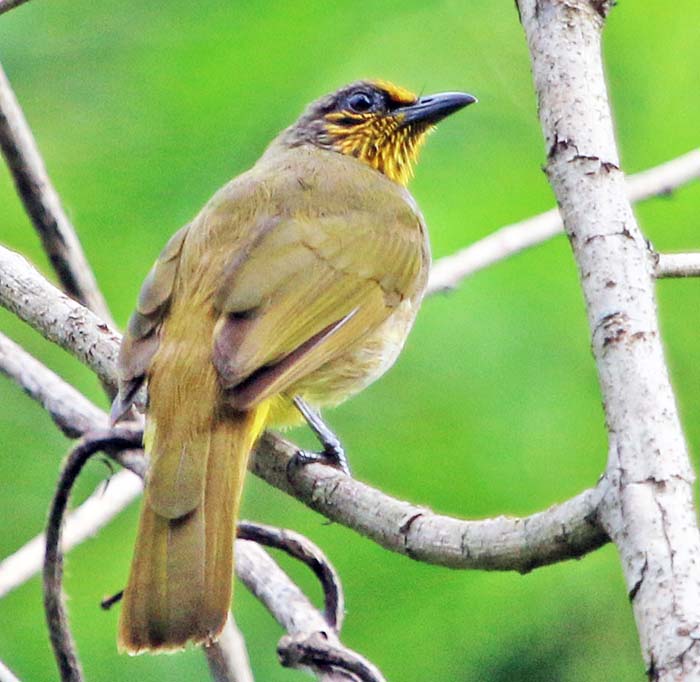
[434, 108]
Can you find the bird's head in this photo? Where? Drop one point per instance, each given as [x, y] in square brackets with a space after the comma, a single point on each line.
[376, 122]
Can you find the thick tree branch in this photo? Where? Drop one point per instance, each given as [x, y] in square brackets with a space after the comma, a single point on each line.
[648, 508]
[449, 271]
[43, 205]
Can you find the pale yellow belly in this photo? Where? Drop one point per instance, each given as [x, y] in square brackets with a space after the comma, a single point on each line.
[356, 369]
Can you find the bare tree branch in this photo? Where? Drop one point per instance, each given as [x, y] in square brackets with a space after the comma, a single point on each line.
[71, 411]
[60, 319]
[648, 509]
[449, 271]
[43, 205]
[228, 657]
[563, 531]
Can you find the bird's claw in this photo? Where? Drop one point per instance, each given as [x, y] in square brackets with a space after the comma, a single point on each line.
[333, 456]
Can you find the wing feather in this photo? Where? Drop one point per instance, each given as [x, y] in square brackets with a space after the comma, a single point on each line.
[309, 290]
[140, 341]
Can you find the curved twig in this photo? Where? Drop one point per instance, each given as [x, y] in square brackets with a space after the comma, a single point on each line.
[54, 606]
[289, 605]
[300, 547]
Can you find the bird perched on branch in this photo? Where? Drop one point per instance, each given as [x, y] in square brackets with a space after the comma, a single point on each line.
[294, 288]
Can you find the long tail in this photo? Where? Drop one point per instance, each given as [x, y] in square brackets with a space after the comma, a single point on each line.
[180, 585]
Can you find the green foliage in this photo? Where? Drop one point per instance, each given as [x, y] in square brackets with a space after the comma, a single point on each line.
[142, 110]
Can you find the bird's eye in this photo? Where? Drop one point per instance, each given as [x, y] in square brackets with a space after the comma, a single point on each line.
[360, 102]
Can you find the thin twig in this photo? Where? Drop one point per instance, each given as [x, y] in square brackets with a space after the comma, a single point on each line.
[43, 205]
[289, 606]
[300, 547]
[56, 614]
[506, 241]
[108, 602]
[678, 265]
[70, 410]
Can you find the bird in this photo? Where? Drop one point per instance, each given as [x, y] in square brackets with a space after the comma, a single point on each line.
[293, 288]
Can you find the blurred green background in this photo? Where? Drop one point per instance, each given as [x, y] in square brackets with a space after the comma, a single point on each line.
[142, 110]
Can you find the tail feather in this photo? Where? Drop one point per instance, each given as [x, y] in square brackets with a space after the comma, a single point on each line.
[180, 585]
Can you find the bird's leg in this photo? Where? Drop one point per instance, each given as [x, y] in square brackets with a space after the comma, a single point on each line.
[332, 453]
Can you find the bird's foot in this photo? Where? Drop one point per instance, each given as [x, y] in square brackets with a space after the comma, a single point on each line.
[332, 455]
